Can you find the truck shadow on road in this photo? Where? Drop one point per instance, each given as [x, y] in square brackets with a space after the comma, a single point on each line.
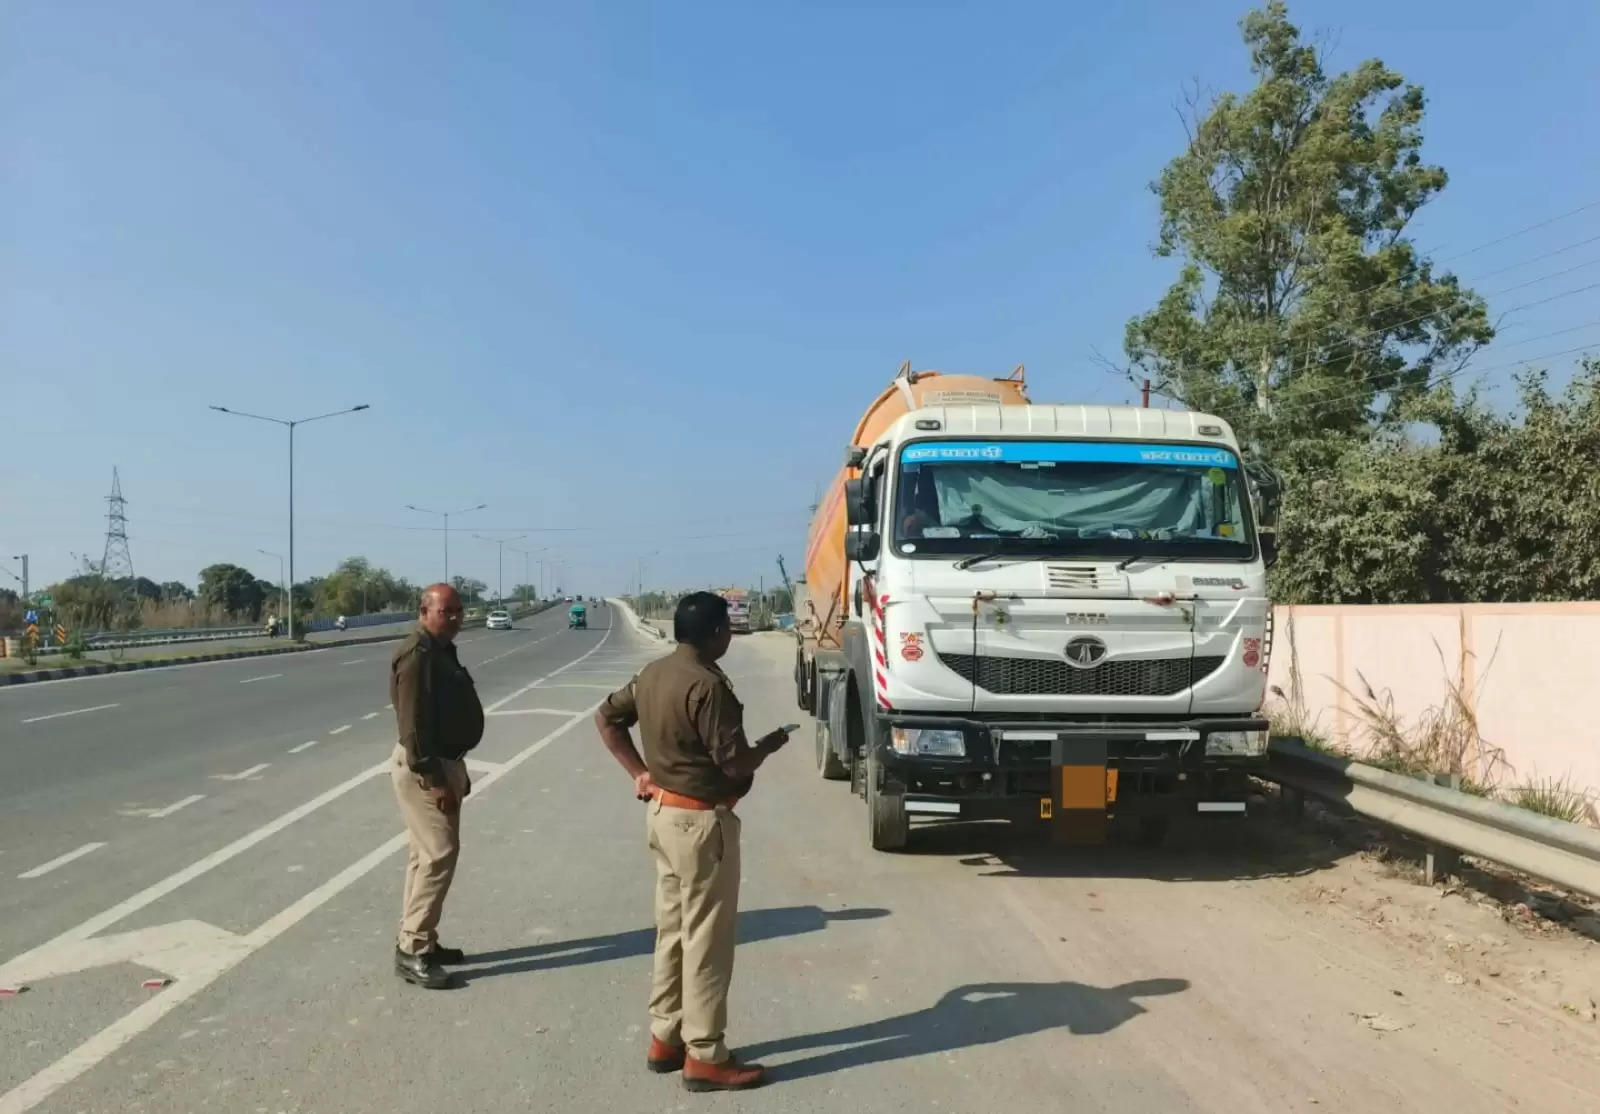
[1199, 851]
[966, 1017]
[755, 925]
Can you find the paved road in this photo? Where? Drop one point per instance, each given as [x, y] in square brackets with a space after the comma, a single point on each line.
[979, 973]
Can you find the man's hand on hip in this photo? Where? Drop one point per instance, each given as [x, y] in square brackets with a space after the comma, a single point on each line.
[443, 799]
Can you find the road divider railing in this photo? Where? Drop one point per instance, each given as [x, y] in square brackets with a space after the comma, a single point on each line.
[1448, 821]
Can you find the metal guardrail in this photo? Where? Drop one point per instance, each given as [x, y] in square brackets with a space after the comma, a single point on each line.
[1560, 852]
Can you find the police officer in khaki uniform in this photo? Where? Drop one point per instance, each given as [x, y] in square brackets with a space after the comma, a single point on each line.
[697, 765]
[439, 716]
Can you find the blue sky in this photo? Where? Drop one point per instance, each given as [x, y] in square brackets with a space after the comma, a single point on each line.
[627, 273]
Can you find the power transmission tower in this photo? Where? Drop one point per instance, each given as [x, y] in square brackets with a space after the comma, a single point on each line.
[117, 564]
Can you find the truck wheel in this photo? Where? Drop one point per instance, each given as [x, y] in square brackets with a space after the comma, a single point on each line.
[801, 696]
[888, 824]
[828, 764]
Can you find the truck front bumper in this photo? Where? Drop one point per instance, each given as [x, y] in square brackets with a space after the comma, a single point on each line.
[1031, 769]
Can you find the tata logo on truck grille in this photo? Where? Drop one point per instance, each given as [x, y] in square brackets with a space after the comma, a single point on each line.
[1085, 652]
[1088, 619]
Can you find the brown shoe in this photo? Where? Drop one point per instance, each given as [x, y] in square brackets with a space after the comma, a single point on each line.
[730, 1075]
[663, 1057]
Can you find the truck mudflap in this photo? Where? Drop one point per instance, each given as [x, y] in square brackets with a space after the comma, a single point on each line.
[1076, 779]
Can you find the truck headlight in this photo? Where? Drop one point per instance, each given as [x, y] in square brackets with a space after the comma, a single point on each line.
[929, 742]
[1236, 744]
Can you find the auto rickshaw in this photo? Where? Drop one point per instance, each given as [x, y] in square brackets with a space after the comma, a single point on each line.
[577, 617]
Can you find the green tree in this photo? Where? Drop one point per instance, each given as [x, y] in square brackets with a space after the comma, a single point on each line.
[1302, 313]
[470, 590]
[232, 589]
[174, 591]
[88, 602]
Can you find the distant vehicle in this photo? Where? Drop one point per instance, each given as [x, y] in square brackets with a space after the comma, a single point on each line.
[499, 620]
[738, 609]
[577, 617]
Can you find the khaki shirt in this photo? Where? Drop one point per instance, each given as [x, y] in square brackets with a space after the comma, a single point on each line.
[689, 722]
[436, 707]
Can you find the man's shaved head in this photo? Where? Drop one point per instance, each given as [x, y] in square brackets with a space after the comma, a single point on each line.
[441, 611]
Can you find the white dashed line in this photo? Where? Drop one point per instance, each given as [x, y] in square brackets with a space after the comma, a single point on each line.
[537, 712]
[388, 707]
[45, 868]
[74, 712]
[370, 715]
[353, 661]
[163, 813]
[242, 774]
[307, 745]
[340, 730]
[268, 677]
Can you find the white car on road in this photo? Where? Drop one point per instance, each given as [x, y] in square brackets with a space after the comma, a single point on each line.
[498, 620]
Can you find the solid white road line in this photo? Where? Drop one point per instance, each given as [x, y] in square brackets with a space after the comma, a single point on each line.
[242, 774]
[602, 688]
[74, 712]
[535, 712]
[307, 745]
[104, 1044]
[479, 766]
[340, 730]
[267, 677]
[45, 868]
[163, 813]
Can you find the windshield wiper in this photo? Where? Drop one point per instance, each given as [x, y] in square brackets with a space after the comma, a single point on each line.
[998, 551]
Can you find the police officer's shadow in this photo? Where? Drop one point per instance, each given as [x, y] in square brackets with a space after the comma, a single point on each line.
[755, 925]
[966, 1017]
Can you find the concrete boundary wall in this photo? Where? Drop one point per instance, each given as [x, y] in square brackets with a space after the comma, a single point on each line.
[1531, 671]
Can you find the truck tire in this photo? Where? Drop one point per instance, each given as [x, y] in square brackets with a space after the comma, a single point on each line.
[887, 822]
[802, 691]
[828, 764]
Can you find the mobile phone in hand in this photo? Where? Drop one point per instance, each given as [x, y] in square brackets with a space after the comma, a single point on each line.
[789, 728]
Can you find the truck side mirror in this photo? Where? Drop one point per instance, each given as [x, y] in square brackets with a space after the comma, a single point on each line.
[861, 545]
[1266, 493]
[1269, 549]
[858, 503]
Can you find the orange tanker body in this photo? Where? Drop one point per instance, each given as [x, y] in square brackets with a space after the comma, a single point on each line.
[819, 613]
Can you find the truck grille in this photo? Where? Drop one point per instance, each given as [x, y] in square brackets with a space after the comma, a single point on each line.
[1079, 578]
[1043, 677]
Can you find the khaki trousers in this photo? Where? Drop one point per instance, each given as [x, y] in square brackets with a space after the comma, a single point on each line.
[433, 843]
[697, 907]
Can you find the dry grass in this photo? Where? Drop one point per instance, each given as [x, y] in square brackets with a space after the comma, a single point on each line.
[1555, 798]
[1443, 739]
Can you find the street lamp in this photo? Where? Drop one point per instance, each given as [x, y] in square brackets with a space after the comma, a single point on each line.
[446, 516]
[642, 560]
[501, 542]
[279, 556]
[289, 584]
[528, 557]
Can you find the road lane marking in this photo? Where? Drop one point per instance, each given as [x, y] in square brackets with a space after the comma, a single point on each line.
[340, 730]
[388, 707]
[61, 860]
[370, 715]
[267, 677]
[353, 661]
[479, 766]
[242, 774]
[602, 688]
[535, 712]
[163, 813]
[304, 746]
[104, 1044]
[74, 712]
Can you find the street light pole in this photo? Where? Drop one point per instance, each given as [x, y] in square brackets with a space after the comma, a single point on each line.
[501, 542]
[446, 516]
[289, 593]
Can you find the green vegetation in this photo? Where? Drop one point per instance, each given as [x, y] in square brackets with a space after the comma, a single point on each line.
[1304, 314]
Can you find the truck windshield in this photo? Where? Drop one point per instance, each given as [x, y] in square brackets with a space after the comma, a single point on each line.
[1088, 498]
